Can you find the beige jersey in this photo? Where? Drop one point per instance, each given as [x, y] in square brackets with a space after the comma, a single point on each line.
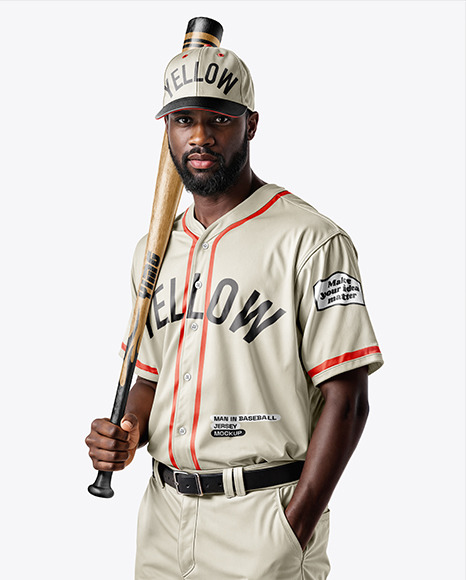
[248, 317]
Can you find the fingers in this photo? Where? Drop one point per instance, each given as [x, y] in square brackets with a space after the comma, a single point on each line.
[111, 447]
[105, 428]
[109, 460]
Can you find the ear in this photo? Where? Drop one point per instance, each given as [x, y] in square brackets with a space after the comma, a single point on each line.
[253, 120]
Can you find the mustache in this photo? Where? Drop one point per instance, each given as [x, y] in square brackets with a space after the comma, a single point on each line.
[200, 151]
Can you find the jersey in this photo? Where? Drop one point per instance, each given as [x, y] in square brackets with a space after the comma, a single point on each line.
[248, 317]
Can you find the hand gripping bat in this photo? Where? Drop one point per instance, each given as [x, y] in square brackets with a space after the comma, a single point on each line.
[200, 32]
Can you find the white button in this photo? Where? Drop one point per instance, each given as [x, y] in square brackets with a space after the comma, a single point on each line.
[198, 284]
[205, 246]
[187, 377]
[194, 326]
[182, 431]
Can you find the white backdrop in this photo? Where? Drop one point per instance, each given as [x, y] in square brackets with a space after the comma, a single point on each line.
[362, 114]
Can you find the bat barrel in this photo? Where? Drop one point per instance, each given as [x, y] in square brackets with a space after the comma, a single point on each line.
[201, 32]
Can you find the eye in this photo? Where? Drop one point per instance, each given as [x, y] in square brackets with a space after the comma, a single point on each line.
[182, 119]
[221, 119]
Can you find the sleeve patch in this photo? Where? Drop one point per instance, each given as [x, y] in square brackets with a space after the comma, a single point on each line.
[339, 289]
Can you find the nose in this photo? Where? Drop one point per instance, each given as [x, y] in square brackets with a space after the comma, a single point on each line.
[201, 135]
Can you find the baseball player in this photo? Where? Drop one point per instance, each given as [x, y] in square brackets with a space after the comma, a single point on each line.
[252, 374]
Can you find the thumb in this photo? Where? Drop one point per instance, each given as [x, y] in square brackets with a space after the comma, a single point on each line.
[129, 422]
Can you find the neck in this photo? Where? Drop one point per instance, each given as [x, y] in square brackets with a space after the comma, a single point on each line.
[209, 209]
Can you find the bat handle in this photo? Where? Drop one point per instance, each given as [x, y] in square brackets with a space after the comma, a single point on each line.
[101, 486]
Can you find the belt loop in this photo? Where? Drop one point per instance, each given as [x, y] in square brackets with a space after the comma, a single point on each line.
[238, 480]
[228, 485]
[156, 473]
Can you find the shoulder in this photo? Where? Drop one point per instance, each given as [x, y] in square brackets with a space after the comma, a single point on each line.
[140, 249]
[141, 245]
[139, 255]
[310, 229]
[307, 216]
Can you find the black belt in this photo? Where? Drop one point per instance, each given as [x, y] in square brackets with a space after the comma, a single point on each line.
[202, 483]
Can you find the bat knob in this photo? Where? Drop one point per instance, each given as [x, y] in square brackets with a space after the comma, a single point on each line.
[101, 486]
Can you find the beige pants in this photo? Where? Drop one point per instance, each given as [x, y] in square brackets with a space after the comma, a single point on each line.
[215, 537]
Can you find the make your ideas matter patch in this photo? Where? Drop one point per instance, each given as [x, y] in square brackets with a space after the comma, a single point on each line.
[339, 289]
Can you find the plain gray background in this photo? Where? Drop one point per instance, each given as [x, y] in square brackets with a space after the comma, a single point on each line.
[362, 114]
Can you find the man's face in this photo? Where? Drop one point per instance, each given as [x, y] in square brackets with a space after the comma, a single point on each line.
[208, 149]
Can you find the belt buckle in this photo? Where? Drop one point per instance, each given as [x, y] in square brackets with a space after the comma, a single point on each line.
[197, 479]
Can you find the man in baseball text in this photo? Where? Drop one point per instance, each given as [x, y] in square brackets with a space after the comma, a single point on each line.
[252, 374]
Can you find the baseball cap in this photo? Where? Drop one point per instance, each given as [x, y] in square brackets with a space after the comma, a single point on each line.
[209, 78]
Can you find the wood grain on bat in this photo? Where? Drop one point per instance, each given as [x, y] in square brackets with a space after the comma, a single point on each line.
[163, 214]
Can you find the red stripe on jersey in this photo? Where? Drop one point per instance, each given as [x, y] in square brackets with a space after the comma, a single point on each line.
[197, 404]
[188, 231]
[142, 366]
[180, 342]
[343, 358]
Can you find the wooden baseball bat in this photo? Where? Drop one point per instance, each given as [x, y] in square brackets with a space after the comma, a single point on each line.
[200, 32]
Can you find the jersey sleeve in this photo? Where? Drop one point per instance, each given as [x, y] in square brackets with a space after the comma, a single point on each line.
[146, 366]
[337, 334]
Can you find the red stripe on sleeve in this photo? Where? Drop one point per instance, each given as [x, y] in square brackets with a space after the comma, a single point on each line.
[343, 358]
[142, 366]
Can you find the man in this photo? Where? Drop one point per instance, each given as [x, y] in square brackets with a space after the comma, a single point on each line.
[252, 374]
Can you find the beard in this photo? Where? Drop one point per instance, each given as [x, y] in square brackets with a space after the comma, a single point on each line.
[217, 182]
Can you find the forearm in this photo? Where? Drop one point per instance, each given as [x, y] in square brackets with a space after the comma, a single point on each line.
[334, 439]
[140, 399]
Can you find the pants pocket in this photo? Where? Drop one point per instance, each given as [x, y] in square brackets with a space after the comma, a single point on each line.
[282, 499]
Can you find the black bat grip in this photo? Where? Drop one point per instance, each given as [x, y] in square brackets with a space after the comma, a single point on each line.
[102, 485]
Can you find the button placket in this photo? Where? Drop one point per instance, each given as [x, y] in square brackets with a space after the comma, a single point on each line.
[189, 359]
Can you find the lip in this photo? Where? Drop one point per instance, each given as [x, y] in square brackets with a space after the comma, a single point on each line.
[201, 160]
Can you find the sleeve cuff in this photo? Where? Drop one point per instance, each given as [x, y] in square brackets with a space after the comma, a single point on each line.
[370, 357]
[143, 370]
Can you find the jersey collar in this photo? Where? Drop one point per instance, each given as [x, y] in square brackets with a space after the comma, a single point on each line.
[246, 208]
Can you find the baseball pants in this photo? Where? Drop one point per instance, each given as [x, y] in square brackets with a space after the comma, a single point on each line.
[244, 537]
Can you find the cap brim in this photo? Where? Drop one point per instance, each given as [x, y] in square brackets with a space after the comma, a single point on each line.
[228, 108]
